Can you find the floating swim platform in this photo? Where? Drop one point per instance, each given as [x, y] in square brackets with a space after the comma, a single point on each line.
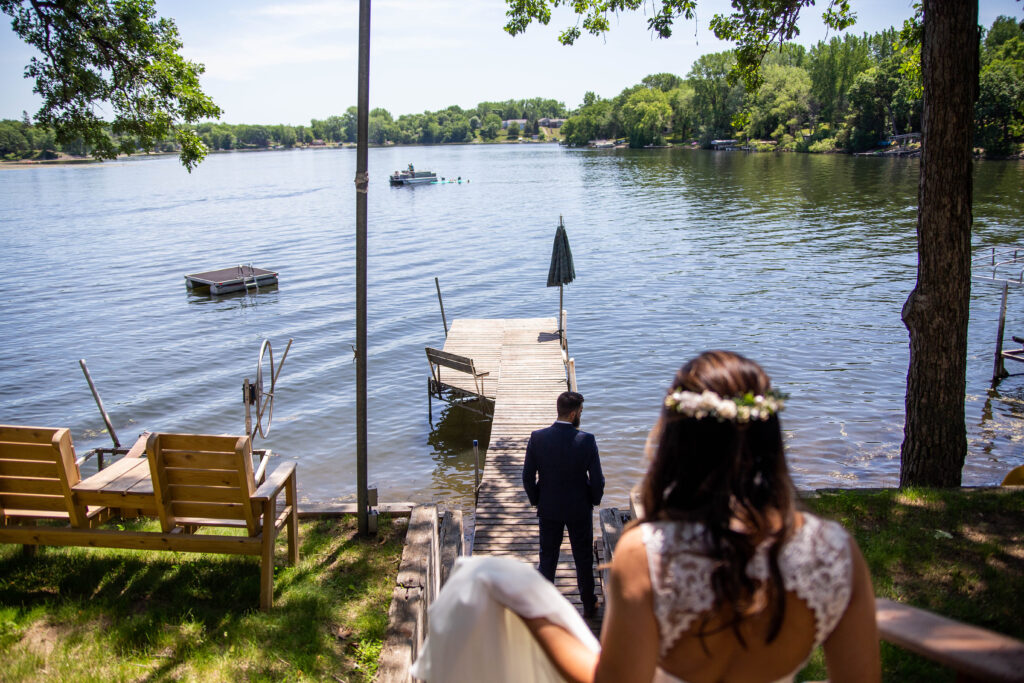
[235, 279]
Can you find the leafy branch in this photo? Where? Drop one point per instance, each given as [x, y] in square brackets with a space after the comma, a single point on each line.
[114, 55]
[755, 25]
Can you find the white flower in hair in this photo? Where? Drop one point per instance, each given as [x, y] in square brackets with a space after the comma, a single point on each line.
[739, 409]
[727, 411]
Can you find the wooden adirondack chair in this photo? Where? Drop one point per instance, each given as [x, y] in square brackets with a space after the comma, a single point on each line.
[37, 471]
[207, 481]
[197, 481]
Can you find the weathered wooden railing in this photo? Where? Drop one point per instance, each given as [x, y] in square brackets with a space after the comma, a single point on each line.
[432, 543]
[974, 653]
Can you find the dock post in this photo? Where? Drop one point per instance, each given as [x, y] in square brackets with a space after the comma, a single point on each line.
[430, 404]
[999, 372]
[572, 374]
[444, 321]
[476, 470]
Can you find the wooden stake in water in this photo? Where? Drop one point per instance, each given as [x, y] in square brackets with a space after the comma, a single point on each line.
[99, 404]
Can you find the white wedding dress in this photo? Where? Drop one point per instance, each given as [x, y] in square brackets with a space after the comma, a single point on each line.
[475, 635]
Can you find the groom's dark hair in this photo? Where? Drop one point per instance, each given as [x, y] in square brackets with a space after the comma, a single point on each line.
[568, 401]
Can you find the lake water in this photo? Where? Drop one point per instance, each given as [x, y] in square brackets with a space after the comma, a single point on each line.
[801, 262]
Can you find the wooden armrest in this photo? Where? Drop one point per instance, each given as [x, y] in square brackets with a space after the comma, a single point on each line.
[977, 652]
[274, 483]
[483, 374]
[138, 449]
[1019, 340]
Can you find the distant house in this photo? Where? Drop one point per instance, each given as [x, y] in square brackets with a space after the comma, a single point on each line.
[728, 145]
[550, 123]
[318, 143]
[519, 122]
[904, 139]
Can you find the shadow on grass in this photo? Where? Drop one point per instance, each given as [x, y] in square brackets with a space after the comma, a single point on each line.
[196, 615]
[959, 553]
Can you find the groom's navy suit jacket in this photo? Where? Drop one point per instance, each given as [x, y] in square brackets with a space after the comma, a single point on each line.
[562, 473]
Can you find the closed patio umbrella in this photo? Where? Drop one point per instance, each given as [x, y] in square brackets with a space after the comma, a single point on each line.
[561, 271]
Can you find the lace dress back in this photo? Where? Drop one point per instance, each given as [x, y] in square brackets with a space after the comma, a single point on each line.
[815, 564]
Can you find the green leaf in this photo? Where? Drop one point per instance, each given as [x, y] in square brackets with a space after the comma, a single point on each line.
[112, 58]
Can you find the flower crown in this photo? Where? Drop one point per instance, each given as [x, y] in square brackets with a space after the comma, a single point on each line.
[739, 409]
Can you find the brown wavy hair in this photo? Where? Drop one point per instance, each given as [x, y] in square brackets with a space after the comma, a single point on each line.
[716, 473]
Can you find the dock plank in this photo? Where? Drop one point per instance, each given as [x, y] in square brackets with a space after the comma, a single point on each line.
[525, 359]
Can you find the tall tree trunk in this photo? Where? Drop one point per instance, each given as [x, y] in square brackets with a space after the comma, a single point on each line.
[936, 312]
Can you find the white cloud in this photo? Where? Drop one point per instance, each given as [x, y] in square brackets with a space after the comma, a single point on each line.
[317, 11]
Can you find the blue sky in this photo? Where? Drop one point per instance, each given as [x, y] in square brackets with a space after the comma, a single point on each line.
[287, 61]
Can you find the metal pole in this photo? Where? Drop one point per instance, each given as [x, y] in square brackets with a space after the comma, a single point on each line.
[246, 395]
[99, 404]
[362, 180]
[999, 371]
[444, 321]
[476, 469]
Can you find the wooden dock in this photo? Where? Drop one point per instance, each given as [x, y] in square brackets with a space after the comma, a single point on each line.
[526, 373]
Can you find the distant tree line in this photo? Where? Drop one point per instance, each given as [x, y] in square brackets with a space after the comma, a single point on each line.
[453, 124]
[20, 139]
[847, 94]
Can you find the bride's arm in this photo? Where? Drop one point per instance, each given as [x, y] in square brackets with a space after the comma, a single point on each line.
[629, 637]
[851, 650]
[572, 658]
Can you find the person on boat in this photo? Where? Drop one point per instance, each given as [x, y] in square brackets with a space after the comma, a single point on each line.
[722, 578]
[411, 171]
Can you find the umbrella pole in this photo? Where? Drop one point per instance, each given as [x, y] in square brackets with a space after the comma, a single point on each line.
[561, 332]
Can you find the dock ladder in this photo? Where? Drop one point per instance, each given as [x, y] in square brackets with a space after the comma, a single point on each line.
[250, 279]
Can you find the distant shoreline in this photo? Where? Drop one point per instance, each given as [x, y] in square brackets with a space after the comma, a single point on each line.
[67, 160]
[85, 161]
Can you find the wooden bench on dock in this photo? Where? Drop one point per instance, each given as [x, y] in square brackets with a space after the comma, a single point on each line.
[193, 481]
[467, 383]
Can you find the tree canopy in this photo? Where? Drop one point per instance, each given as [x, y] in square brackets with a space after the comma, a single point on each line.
[112, 58]
[937, 310]
[755, 25]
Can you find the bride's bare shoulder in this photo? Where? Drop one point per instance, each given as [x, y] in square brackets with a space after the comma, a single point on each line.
[629, 565]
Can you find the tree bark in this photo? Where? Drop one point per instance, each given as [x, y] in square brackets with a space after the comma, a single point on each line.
[936, 312]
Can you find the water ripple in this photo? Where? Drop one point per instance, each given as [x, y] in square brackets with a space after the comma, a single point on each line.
[801, 262]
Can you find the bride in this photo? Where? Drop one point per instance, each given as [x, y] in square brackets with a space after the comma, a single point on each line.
[723, 578]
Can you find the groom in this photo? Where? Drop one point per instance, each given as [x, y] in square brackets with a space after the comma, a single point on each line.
[562, 477]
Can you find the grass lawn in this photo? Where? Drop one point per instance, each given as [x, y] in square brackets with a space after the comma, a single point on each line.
[76, 614]
[958, 553]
